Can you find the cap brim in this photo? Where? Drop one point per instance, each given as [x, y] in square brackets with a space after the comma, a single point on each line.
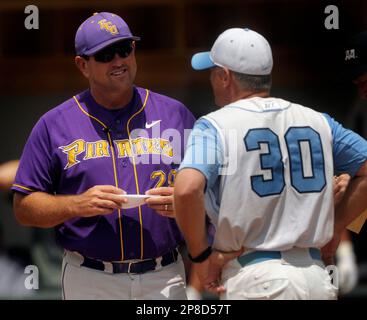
[202, 61]
[105, 44]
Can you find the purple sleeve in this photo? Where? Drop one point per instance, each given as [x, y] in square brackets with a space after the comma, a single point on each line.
[34, 172]
[188, 120]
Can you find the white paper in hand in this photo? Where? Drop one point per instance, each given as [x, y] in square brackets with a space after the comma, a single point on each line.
[135, 200]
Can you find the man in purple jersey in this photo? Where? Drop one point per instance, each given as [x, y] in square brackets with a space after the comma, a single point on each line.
[85, 154]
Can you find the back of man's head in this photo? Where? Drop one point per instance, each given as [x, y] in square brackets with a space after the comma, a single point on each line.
[244, 52]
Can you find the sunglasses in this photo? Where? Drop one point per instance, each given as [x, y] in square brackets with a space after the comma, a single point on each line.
[123, 49]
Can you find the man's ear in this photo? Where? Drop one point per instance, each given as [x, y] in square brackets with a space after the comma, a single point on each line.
[82, 65]
[226, 76]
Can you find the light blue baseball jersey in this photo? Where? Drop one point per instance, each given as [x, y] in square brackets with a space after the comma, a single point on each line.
[269, 167]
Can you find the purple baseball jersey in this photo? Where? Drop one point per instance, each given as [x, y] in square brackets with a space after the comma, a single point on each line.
[80, 144]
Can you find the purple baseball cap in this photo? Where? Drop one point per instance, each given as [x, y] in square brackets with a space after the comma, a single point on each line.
[99, 31]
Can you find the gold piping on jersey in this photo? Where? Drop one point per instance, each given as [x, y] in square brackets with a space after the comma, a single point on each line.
[22, 187]
[136, 174]
[114, 170]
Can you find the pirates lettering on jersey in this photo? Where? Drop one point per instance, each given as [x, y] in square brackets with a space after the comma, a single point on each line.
[84, 150]
[73, 150]
[97, 149]
[140, 146]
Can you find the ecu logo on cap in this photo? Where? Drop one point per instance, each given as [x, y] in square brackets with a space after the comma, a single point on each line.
[108, 26]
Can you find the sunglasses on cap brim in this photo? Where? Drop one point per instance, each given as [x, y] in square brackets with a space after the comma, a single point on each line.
[122, 48]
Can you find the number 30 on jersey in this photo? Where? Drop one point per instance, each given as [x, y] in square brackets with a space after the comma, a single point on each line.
[297, 140]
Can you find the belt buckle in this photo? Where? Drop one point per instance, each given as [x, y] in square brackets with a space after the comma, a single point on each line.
[129, 266]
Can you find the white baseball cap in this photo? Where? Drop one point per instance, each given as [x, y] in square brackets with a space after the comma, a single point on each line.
[240, 50]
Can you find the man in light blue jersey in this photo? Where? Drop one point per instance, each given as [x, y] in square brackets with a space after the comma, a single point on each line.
[263, 169]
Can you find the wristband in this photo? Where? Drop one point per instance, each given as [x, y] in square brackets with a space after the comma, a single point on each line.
[202, 256]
